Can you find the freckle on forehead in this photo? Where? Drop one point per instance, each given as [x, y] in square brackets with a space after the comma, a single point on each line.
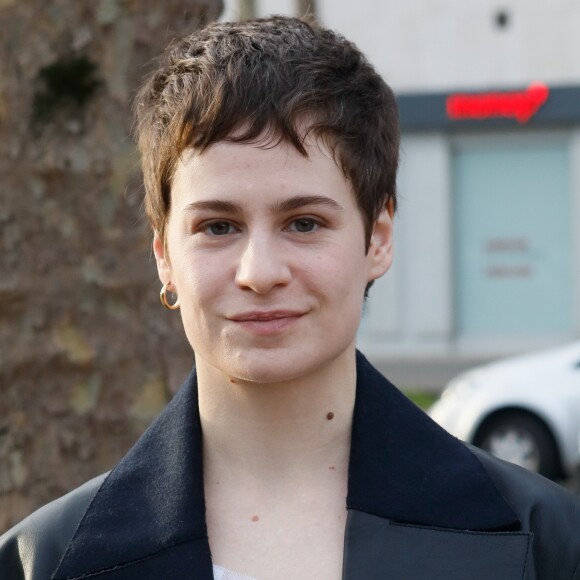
[255, 518]
[233, 381]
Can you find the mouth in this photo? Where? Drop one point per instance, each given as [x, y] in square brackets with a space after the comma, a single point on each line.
[265, 315]
[267, 322]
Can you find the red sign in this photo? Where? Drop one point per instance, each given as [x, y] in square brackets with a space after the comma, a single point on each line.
[519, 105]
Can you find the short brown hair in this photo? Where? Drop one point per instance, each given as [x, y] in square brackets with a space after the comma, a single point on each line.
[239, 81]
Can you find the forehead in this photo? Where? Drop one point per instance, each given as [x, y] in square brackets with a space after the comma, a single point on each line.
[259, 172]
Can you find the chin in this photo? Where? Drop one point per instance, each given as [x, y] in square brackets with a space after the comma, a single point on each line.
[269, 367]
[277, 366]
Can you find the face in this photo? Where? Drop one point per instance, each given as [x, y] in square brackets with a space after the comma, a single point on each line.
[266, 250]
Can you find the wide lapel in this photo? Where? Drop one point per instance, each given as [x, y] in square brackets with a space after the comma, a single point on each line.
[413, 493]
[420, 503]
[147, 521]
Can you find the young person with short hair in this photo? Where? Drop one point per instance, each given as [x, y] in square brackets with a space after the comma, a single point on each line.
[270, 152]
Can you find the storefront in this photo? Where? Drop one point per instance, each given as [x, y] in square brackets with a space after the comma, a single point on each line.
[488, 237]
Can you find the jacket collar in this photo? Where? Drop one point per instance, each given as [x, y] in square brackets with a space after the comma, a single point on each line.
[404, 467]
[149, 514]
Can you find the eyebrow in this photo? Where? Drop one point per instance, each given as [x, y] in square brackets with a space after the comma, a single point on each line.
[216, 205]
[291, 204]
[300, 201]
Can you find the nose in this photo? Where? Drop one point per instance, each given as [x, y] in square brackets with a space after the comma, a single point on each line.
[263, 266]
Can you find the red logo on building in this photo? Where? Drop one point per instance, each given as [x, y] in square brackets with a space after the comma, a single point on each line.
[519, 105]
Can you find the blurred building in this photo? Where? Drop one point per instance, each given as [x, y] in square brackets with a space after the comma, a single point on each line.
[487, 240]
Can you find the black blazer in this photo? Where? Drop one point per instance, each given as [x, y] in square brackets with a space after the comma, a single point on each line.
[421, 505]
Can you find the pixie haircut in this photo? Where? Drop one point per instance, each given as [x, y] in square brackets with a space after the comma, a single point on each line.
[268, 81]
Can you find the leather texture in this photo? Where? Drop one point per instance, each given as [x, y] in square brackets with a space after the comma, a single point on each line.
[380, 549]
[421, 505]
[34, 548]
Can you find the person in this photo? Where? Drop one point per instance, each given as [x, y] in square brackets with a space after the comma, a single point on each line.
[270, 152]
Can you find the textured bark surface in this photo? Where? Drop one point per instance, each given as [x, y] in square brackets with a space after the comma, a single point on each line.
[87, 354]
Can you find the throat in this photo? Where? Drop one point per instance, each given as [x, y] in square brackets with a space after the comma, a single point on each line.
[267, 431]
[278, 456]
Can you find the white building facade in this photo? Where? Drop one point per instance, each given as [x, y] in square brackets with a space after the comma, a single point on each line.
[487, 253]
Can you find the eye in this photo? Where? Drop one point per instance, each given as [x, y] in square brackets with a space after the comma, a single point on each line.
[219, 229]
[304, 225]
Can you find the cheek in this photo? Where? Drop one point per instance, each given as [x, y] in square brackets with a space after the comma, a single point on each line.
[341, 275]
[198, 284]
[198, 297]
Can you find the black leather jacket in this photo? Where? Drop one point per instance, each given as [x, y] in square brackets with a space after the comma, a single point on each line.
[421, 505]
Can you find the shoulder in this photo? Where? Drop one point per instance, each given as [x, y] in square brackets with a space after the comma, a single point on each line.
[530, 495]
[544, 508]
[32, 549]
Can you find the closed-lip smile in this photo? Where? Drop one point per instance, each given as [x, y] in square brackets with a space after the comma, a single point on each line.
[265, 315]
[267, 323]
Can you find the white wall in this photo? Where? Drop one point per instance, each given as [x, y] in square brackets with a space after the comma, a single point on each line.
[442, 44]
[445, 44]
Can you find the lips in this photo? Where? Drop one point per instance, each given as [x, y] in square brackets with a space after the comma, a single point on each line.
[267, 323]
[265, 316]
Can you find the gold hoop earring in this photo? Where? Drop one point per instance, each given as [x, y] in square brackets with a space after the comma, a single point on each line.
[163, 298]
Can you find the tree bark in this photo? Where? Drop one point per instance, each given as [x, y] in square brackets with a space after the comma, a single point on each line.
[87, 354]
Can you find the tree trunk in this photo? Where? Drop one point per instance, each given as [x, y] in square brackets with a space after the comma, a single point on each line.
[87, 354]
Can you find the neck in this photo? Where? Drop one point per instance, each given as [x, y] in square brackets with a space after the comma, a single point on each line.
[277, 432]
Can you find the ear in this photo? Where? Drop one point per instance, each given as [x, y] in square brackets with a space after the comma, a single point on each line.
[162, 259]
[380, 252]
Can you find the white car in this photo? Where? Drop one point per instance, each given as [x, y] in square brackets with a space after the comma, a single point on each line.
[524, 409]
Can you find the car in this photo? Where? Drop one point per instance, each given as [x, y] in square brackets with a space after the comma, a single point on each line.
[524, 409]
